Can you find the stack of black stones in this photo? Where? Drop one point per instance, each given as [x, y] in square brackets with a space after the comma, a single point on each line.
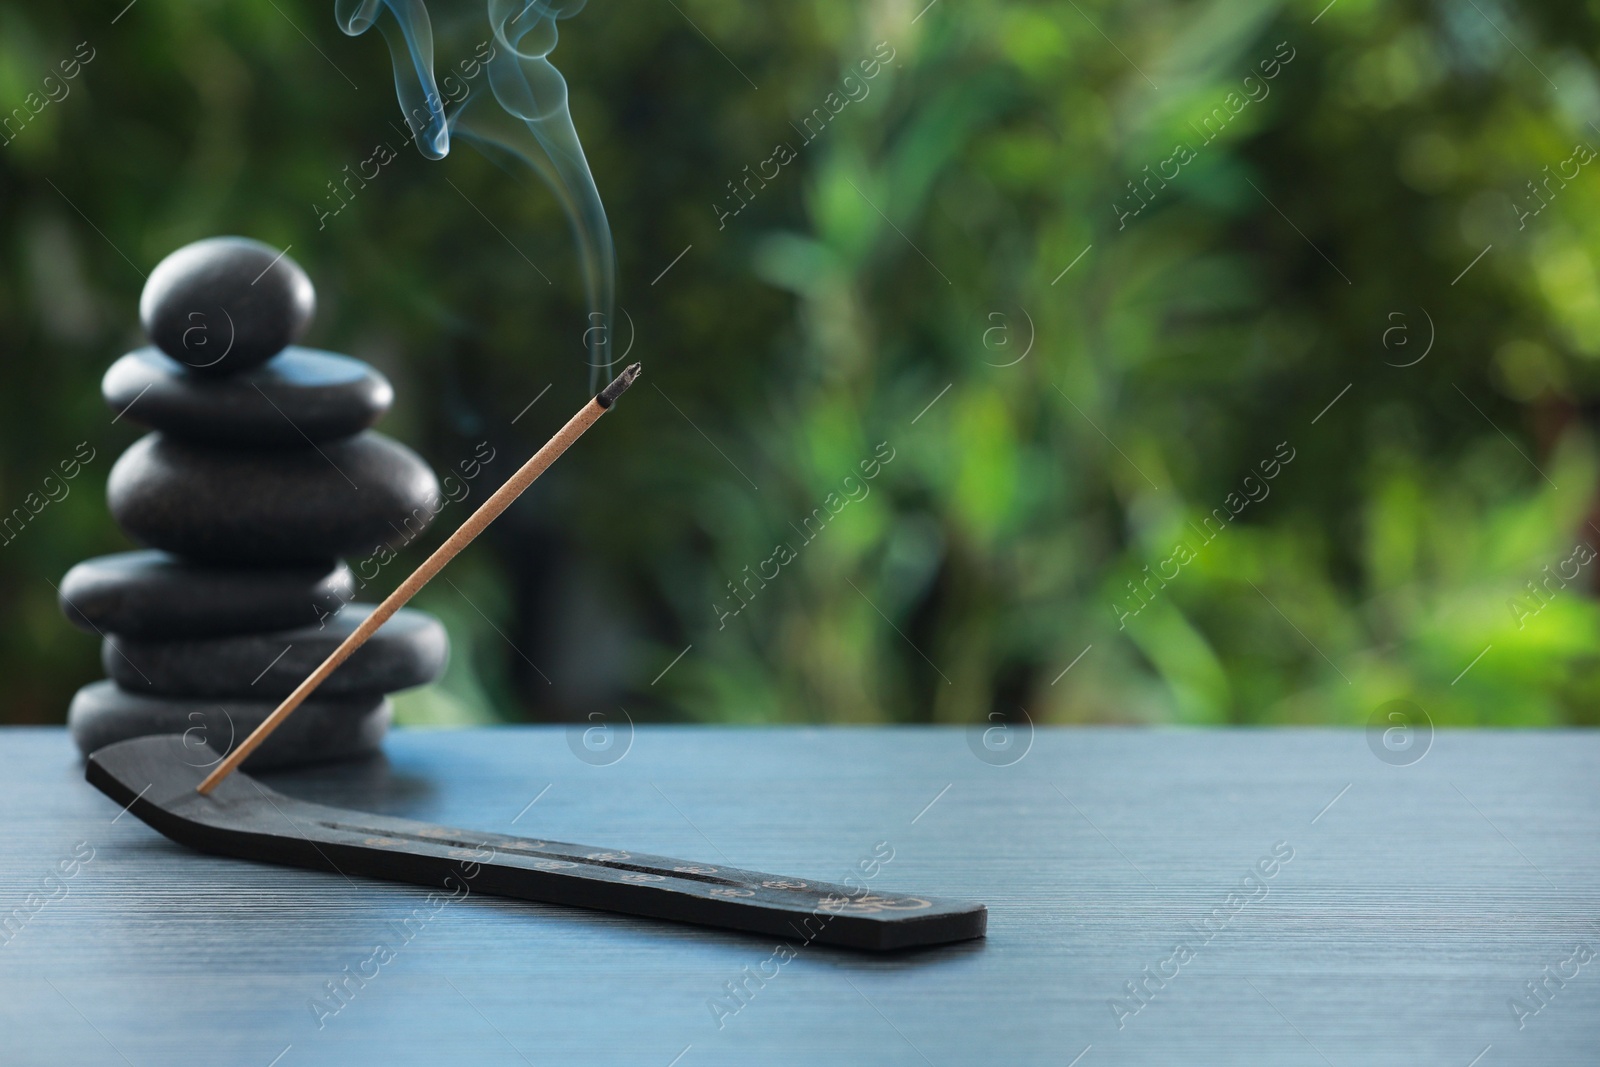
[261, 474]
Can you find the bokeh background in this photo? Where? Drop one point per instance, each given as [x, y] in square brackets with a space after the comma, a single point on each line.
[1352, 272]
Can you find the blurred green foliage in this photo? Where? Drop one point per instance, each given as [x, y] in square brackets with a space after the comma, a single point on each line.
[881, 288]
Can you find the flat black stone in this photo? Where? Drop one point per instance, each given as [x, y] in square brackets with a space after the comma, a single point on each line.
[226, 304]
[410, 649]
[320, 729]
[155, 595]
[298, 395]
[277, 505]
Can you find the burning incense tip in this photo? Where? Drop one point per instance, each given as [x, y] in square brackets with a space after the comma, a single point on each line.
[619, 385]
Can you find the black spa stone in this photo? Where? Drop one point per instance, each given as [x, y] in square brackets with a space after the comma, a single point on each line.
[298, 395]
[320, 730]
[152, 595]
[226, 304]
[271, 506]
[410, 649]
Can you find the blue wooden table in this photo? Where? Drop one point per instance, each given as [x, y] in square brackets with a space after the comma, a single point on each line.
[1155, 897]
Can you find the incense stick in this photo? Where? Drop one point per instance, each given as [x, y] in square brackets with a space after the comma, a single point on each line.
[474, 525]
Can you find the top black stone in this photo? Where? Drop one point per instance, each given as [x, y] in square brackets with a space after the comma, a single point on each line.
[226, 304]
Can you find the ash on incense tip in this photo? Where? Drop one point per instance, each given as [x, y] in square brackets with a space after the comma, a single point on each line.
[619, 385]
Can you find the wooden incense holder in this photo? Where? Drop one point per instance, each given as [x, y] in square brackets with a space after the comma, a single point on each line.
[154, 778]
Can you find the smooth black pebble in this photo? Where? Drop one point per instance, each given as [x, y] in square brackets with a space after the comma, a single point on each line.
[153, 595]
[264, 506]
[226, 304]
[299, 395]
[410, 649]
[320, 729]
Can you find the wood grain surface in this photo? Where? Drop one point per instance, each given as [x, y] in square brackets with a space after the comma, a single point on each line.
[1406, 911]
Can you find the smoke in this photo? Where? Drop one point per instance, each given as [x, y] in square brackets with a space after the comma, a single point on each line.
[509, 100]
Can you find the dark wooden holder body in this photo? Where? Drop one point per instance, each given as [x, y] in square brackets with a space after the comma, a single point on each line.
[155, 779]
